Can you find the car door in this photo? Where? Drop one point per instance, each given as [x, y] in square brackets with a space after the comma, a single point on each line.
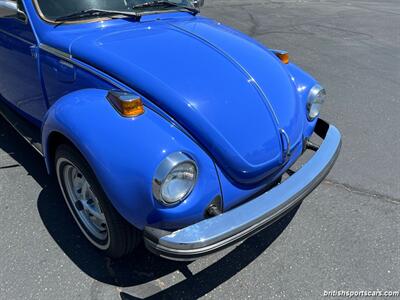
[20, 82]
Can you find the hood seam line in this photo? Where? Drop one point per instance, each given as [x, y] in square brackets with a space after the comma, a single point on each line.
[250, 78]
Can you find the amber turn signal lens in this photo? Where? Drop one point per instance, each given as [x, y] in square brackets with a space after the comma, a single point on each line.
[132, 108]
[127, 104]
[282, 55]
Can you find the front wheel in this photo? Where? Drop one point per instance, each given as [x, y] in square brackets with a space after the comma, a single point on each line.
[98, 220]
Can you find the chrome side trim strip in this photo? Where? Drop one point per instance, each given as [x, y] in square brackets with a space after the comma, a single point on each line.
[55, 51]
[6, 116]
[67, 57]
[36, 147]
[17, 37]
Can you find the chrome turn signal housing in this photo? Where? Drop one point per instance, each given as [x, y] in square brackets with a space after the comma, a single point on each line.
[282, 55]
[127, 104]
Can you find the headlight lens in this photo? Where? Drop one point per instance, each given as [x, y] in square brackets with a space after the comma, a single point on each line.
[316, 98]
[175, 179]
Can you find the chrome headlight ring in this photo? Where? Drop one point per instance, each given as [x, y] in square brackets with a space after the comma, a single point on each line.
[316, 97]
[174, 179]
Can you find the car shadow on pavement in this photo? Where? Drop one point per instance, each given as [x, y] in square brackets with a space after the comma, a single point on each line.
[141, 267]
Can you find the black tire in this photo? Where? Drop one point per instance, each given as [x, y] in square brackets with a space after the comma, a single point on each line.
[119, 238]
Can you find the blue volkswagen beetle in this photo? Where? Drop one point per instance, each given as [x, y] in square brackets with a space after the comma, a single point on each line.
[160, 124]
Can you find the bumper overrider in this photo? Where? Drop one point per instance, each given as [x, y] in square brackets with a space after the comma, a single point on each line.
[235, 225]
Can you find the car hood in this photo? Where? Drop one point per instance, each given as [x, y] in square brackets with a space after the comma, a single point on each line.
[232, 95]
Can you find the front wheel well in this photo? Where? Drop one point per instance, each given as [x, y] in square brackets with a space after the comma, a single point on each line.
[54, 140]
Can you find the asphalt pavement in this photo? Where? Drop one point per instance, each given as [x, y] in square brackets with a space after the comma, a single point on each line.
[345, 235]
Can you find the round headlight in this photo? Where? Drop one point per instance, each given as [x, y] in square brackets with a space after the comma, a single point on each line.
[316, 98]
[174, 179]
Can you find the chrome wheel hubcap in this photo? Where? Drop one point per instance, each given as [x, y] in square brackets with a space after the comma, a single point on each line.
[84, 202]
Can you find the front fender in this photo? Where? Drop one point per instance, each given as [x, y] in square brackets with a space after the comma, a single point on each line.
[303, 83]
[124, 154]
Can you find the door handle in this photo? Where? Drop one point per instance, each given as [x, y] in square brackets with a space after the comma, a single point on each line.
[34, 51]
[66, 71]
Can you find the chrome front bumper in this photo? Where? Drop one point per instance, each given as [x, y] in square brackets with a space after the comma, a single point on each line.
[235, 225]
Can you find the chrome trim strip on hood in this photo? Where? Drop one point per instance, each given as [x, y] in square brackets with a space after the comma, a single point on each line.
[250, 78]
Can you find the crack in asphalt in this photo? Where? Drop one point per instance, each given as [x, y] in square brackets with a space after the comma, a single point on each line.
[376, 10]
[254, 24]
[361, 191]
[9, 166]
[351, 4]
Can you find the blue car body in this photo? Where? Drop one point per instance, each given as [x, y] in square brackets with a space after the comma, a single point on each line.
[209, 91]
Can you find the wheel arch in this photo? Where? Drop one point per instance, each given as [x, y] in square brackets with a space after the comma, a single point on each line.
[124, 153]
[54, 140]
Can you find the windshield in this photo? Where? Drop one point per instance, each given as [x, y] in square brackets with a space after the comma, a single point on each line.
[54, 9]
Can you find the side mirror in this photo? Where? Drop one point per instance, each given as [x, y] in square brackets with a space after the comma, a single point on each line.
[198, 3]
[8, 8]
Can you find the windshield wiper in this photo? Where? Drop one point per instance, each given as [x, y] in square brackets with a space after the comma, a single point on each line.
[95, 13]
[192, 10]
